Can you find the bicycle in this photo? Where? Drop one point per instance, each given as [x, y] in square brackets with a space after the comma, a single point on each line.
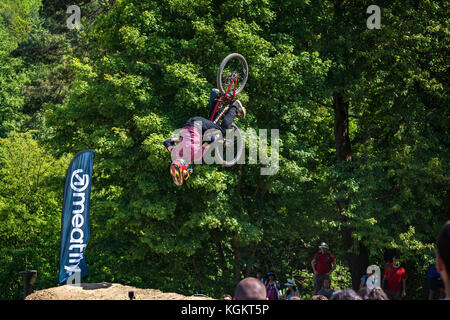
[228, 76]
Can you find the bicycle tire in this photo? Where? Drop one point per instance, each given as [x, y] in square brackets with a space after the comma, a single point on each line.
[240, 148]
[224, 62]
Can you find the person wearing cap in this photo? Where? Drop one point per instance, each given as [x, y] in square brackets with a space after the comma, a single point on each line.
[323, 264]
[272, 287]
[371, 278]
[291, 290]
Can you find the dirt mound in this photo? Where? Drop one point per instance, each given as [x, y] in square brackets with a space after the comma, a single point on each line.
[105, 291]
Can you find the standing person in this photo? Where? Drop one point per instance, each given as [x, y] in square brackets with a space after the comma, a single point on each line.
[443, 257]
[394, 281]
[259, 277]
[371, 278]
[272, 287]
[326, 291]
[435, 282]
[291, 290]
[367, 277]
[323, 265]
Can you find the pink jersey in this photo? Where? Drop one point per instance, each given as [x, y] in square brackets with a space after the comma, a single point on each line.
[189, 147]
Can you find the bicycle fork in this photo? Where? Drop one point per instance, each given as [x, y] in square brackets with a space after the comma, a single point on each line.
[228, 101]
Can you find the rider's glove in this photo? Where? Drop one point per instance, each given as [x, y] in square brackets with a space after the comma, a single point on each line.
[168, 143]
[213, 138]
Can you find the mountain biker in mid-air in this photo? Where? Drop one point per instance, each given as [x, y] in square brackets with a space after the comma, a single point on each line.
[191, 137]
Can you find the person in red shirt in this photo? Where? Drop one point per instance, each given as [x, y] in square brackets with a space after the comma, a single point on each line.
[394, 281]
[323, 264]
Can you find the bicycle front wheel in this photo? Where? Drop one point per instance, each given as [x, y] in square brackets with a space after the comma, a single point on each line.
[234, 65]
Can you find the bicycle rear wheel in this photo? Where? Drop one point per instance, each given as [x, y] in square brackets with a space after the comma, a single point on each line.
[228, 152]
[233, 64]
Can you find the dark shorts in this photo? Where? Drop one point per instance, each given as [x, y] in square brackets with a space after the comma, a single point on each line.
[318, 281]
[203, 124]
[435, 284]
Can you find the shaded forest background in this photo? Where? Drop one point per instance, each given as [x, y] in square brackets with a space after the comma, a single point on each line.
[364, 143]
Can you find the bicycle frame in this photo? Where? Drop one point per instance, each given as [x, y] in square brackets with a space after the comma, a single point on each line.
[226, 100]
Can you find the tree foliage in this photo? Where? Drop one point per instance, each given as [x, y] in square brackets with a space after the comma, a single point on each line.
[30, 210]
[138, 69]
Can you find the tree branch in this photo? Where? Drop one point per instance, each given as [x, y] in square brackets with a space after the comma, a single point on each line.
[321, 103]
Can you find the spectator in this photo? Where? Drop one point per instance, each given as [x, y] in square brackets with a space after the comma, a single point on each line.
[369, 279]
[250, 289]
[377, 294]
[435, 282]
[227, 297]
[291, 290]
[272, 287]
[259, 277]
[323, 265]
[319, 297]
[347, 294]
[394, 282]
[326, 291]
[443, 257]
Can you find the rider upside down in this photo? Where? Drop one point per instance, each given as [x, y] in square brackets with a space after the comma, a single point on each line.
[191, 137]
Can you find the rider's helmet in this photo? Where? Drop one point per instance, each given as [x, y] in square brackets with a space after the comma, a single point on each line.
[180, 171]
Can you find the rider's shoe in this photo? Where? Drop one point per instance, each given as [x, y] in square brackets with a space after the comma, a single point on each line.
[213, 96]
[241, 110]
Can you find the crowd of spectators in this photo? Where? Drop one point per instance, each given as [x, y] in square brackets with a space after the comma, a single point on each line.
[390, 286]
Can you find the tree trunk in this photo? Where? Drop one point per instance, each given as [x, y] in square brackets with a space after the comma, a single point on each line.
[220, 252]
[341, 128]
[357, 261]
[357, 254]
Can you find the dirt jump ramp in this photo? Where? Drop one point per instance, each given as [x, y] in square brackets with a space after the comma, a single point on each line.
[105, 291]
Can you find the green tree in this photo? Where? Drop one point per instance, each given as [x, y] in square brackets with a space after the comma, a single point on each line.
[150, 66]
[19, 16]
[384, 90]
[363, 126]
[12, 80]
[30, 212]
